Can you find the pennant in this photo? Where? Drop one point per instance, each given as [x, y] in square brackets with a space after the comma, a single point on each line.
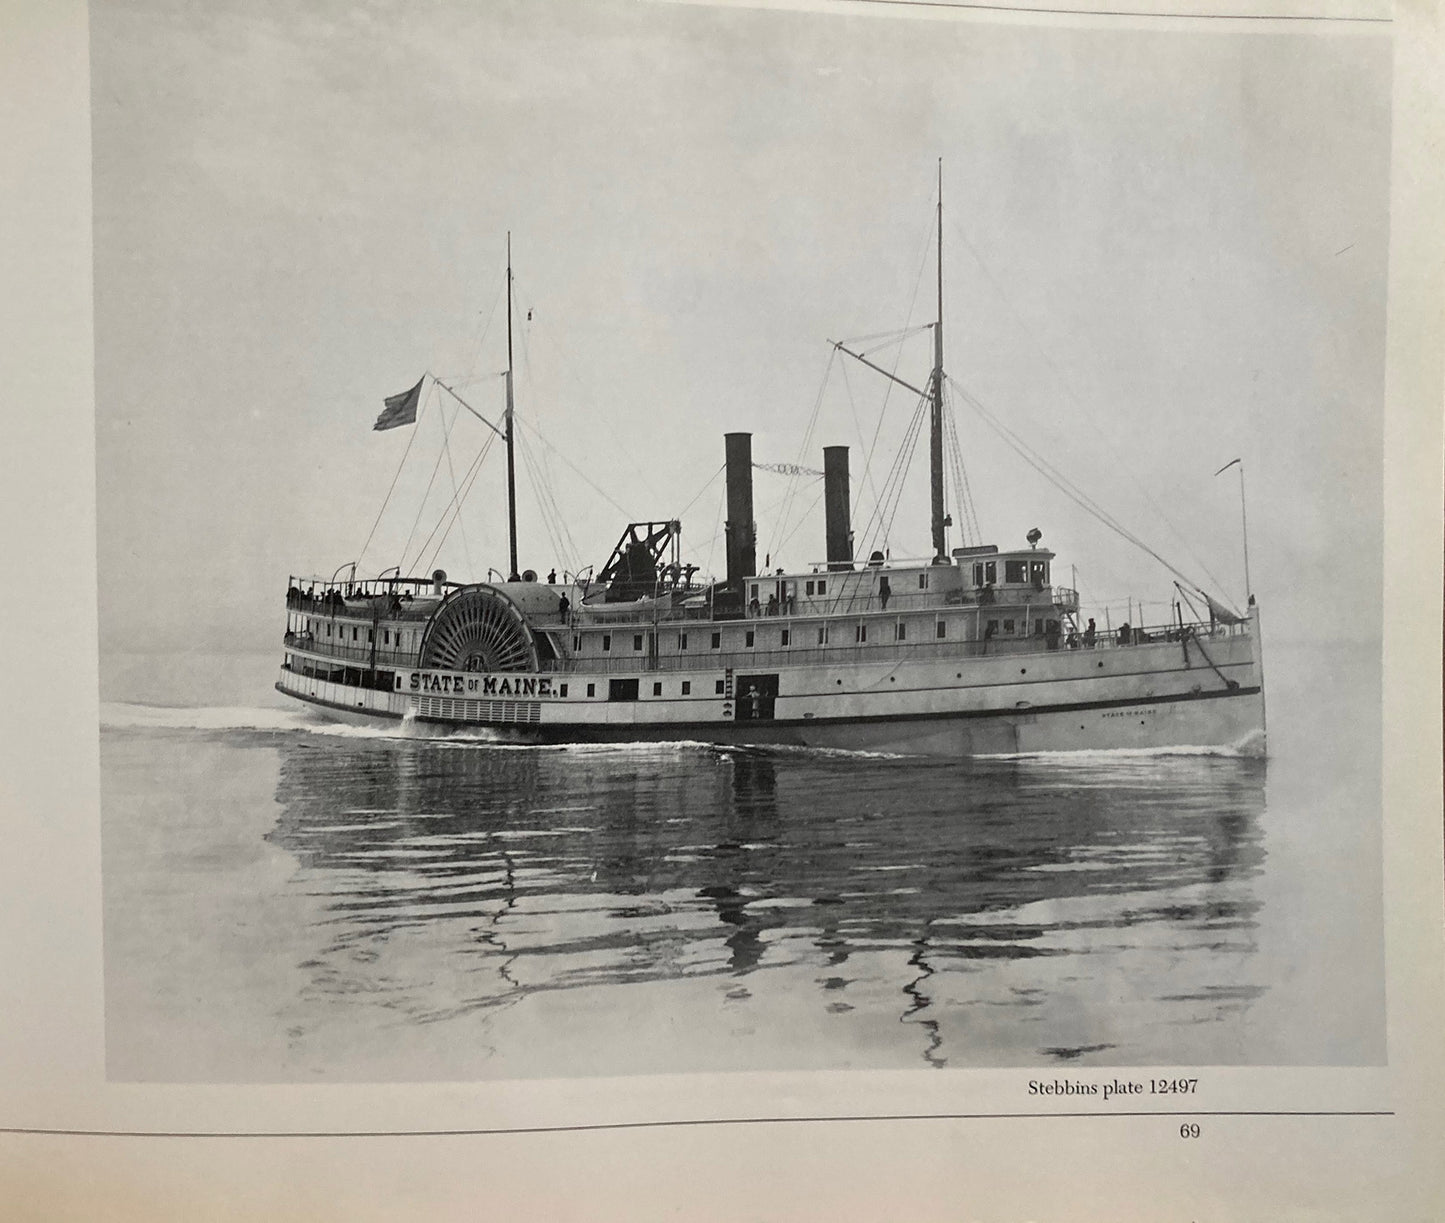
[1222, 613]
[400, 409]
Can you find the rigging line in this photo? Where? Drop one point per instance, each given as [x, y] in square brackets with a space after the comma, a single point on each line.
[799, 525]
[542, 486]
[467, 480]
[486, 327]
[703, 489]
[897, 479]
[387, 499]
[875, 524]
[1068, 389]
[807, 441]
[542, 438]
[885, 337]
[951, 418]
[1077, 496]
[420, 509]
[468, 484]
[560, 363]
[452, 472]
[717, 531]
[912, 305]
[950, 445]
[551, 512]
[858, 425]
[539, 499]
[1054, 473]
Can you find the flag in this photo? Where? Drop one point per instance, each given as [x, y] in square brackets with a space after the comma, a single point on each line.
[400, 409]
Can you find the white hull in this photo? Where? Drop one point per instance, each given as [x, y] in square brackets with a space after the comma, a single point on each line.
[1151, 697]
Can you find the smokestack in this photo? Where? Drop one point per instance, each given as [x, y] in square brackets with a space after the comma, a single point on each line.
[835, 507]
[740, 531]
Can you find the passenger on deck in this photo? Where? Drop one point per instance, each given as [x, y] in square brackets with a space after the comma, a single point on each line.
[564, 605]
[551, 577]
[1124, 633]
[772, 605]
[1089, 634]
[753, 607]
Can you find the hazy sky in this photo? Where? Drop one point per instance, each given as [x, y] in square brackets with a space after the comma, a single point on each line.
[1164, 248]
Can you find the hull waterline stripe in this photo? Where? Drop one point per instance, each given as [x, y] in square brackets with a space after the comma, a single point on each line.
[631, 729]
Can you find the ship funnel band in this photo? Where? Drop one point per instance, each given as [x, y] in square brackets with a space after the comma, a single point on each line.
[477, 628]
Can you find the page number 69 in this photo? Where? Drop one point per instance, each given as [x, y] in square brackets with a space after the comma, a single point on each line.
[1189, 1130]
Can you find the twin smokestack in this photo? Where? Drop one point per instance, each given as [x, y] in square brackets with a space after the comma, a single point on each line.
[740, 531]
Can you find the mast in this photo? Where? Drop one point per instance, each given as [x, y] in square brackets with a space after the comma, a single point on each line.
[935, 434]
[511, 453]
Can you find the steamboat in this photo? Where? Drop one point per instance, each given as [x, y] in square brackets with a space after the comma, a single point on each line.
[973, 650]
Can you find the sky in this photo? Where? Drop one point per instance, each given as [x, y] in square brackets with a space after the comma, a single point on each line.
[1164, 248]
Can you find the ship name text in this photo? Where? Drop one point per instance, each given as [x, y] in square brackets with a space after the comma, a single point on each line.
[466, 683]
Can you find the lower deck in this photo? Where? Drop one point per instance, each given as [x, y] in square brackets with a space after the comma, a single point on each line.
[1204, 692]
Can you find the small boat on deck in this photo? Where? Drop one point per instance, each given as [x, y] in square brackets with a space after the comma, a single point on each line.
[972, 650]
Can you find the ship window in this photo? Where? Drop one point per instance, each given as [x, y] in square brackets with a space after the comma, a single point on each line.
[901, 634]
[748, 641]
[990, 571]
[823, 635]
[808, 588]
[386, 636]
[576, 641]
[371, 635]
[637, 641]
[822, 587]
[992, 628]
[719, 688]
[687, 687]
[353, 634]
[591, 689]
[682, 641]
[717, 641]
[860, 633]
[1039, 573]
[1014, 571]
[753, 592]
[1008, 626]
[923, 581]
[978, 574]
[786, 638]
[941, 629]
[656, 689]
[607, 641]
[562, 691]
[1038, 628]
[328, 630]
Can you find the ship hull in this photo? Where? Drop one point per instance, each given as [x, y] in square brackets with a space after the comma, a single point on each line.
[1228, 720]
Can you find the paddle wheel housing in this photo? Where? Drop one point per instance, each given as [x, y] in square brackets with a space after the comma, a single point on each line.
[478, 628]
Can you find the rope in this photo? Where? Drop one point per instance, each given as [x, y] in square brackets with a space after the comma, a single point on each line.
[468, 482]
[1067, 487]
[542, 438]
[446, 429]
[1042, 352]
[389, 491]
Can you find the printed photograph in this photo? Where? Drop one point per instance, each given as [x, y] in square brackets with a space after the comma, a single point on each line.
[649, 538]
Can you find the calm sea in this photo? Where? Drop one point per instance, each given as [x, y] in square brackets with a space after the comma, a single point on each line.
[287, 900]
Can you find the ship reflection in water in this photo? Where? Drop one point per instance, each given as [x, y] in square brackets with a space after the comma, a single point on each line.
[663, 905]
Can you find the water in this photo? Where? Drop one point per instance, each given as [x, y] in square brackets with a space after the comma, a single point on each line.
[291, 901]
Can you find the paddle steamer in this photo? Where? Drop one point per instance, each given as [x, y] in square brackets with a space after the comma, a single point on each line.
[966, 651]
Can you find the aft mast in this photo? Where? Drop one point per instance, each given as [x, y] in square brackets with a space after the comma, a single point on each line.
[935, 433]
[513, 575]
